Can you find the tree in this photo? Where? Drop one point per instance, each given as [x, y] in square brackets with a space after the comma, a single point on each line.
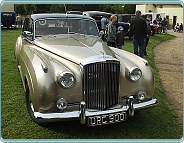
[42, 7]
[129, 9]
[83, 7]
[117, 8]
[29, 8]
[60, 8]
[57, 8]
[19, 9]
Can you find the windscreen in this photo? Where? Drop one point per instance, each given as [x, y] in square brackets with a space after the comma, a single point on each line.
[65, 26]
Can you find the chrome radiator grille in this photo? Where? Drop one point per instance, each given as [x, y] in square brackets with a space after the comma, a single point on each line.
[101, 85]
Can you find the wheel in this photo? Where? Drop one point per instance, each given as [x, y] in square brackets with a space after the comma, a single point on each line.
[30, 108]
[159, 30]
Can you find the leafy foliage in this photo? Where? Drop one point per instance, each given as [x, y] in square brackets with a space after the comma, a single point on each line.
[19, 8]
[29, 8]
[60, 8]
[54, 8]
[129, 9]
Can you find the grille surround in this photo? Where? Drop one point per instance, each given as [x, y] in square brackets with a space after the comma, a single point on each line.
[101, 84]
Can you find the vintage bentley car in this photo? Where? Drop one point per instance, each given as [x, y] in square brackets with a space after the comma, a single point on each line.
[69, 73]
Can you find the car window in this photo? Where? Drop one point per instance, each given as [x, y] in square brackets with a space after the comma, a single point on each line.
[97, 17]
[65, 26]
[7, 14]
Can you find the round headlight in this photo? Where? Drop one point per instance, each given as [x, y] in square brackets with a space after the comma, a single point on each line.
[66, 79]
[135, 74]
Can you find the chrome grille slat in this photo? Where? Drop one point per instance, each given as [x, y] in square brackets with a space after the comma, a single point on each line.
[101, 85]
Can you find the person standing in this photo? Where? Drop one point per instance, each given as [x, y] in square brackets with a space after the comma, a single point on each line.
[111, 31]
[181, 28]
[159, 22]
[164, 24]
[146, 39]
[138, 29]
[19, 20]
[120, 37]
[104, 22]
[167, 24]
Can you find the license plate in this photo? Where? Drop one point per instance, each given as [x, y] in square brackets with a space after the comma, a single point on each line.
[106, 119]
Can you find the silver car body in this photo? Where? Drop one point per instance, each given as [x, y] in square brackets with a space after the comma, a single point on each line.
[96, 78]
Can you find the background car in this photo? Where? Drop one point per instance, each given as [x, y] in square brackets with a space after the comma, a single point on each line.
[127, 18]
[8, 19]
[69, 73]
[126, 27]
[97, 15]
[74, 12]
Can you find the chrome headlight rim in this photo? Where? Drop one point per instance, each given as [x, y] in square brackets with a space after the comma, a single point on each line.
[132, 75]
[141, 95]
[61, 78]
[61, 104]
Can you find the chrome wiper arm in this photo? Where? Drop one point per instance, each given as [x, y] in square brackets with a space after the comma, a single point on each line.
[75, 33]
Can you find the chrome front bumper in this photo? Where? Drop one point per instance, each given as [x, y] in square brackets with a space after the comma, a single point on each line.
[83, 113]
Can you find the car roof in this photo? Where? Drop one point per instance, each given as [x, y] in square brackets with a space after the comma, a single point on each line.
[57, 15]
[7, 12]
[91, 13]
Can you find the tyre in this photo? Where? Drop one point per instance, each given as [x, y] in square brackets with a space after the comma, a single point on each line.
[30, 108]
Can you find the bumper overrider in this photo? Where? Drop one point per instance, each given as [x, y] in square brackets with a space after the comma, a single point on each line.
[93, 118]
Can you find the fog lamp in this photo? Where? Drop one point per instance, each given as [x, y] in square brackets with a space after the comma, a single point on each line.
[141, 95]
[61, 104]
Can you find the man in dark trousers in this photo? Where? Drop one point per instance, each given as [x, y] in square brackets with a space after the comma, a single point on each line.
[138, 29]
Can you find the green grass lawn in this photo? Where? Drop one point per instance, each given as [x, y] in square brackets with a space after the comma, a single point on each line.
[155, 123]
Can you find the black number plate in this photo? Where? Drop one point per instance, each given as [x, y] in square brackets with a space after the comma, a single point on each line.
[106, 119]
